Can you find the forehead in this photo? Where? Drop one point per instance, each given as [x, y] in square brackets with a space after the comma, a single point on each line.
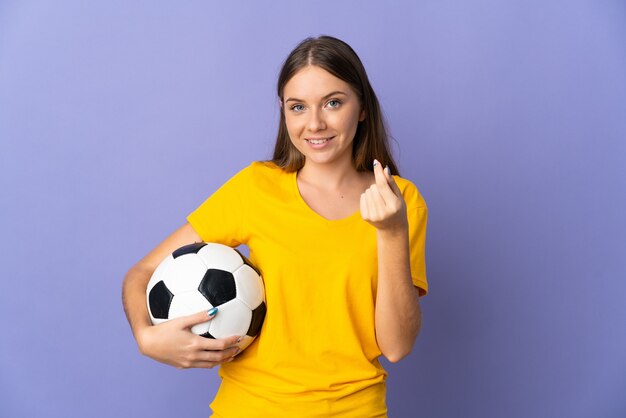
[313, 82]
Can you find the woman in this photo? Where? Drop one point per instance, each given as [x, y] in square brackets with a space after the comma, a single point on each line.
[339, 242]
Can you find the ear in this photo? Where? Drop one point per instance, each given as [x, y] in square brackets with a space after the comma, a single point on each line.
[362, 116]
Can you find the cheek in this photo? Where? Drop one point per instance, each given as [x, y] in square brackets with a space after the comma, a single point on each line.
[348, 123]
[293, 130]
[293, 125]
[289, 123]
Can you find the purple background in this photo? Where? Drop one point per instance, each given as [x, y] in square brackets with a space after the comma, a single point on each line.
[118, 118]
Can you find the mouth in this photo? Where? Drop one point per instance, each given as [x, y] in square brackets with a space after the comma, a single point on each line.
[318, 141]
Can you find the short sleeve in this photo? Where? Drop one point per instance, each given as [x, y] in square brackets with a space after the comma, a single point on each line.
[417, 215]
[221, 217]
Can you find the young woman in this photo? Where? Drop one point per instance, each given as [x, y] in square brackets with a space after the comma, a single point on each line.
[338, 239]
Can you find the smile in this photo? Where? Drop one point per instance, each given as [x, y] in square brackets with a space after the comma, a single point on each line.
[318, 141]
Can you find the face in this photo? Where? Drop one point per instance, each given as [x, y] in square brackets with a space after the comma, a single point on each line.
[321, 113]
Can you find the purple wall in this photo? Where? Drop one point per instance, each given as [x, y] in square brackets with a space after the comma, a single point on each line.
[118, 118]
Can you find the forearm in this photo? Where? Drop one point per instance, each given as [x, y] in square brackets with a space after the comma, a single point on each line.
[134, 298]
[171, 342]
[398, 316]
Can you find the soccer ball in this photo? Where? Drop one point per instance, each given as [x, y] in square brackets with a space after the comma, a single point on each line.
[201, 276]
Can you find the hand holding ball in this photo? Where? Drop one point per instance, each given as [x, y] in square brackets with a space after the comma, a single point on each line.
[202, 276]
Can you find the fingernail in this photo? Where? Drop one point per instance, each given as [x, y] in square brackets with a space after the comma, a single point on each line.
[212, 312]
[388, 170]
[375, 163]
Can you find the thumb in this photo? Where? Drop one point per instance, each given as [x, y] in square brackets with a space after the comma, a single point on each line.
[197, 318]
[392, 182]
[379, 175]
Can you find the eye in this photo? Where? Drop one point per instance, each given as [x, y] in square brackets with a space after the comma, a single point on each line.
[297, 108]
[334, 103]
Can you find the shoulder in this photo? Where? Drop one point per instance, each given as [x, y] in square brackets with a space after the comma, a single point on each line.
[265, 171]
[259, 170]
[265, 167]
[264, 177]
[410, 192]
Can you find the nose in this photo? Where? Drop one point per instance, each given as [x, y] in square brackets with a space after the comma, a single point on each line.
[316, 121]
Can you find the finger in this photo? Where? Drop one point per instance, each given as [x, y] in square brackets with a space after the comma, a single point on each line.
[206, 359]
[392, 182]
[382, 181]
[363, 204]
[197, 318]
[218, 356]
[202, 365]
[377, 201]
[372, 209]
[206, 365]
[219, 344]
[379, 176]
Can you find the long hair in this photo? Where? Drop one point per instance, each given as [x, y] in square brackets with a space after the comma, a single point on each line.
[339, 59]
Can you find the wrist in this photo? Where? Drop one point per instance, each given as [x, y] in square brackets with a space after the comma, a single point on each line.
[394, 232]
[142, 337]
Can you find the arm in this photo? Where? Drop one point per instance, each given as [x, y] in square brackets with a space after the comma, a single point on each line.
[397, 317]
[170, 342]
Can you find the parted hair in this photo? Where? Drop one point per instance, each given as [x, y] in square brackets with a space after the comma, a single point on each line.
[338, 58]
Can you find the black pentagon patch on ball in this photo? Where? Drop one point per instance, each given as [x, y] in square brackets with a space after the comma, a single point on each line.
[207, 335]
[246, 261]
[188, 249]
[160, 299]
[218, 286]
[258, 315]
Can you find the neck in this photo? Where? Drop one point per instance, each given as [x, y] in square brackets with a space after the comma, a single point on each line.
[333, 176]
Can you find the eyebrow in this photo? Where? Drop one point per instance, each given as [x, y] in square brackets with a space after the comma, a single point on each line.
[293, 99]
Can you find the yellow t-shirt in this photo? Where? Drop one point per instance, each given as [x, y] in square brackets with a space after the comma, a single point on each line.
[316, 354]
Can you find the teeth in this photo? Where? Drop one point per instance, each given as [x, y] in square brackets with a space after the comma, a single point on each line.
[317, 141]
